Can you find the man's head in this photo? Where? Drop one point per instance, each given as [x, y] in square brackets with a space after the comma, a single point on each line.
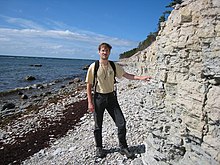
[104, 50]
[106, 45]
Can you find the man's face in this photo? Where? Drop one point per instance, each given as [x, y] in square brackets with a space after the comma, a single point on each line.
[104, 53]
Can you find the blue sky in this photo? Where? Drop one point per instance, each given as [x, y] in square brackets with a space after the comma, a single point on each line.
[74, 28]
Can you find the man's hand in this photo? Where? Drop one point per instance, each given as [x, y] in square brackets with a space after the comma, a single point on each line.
[91, 107]
[146, 78]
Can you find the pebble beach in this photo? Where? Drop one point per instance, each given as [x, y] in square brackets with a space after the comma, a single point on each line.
[78, 147]
[60, 129]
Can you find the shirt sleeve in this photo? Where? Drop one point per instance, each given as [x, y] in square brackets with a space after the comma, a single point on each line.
[90, 74]
[119, 71]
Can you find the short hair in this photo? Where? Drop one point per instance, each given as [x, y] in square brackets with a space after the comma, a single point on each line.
[105, 44]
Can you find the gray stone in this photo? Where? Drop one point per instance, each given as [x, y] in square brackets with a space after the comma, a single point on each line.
[8, 106]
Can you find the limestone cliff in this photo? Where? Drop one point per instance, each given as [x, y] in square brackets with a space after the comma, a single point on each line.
[185, 59]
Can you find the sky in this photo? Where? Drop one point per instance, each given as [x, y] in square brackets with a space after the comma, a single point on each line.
[75, 28]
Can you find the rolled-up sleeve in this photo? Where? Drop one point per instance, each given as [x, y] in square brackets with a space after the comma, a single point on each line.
[90, 74]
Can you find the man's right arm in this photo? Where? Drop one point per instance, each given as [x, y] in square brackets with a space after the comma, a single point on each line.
[89, 97]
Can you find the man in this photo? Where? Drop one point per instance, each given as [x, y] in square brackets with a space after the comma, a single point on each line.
[105, 98]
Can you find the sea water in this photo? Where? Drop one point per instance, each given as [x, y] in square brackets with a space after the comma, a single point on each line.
[14, 70]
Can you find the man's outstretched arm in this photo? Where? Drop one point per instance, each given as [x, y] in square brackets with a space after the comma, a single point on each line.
[135, 77]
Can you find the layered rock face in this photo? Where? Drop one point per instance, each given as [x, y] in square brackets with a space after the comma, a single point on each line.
[185, 60]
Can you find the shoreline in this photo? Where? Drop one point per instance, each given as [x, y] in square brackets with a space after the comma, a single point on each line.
[57, 83]
[40, 119]
[23, 97]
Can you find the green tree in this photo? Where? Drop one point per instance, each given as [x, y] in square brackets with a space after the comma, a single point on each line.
[174, 2]
[141, 46]
[161, 19]
[147, 42]
[128, 54]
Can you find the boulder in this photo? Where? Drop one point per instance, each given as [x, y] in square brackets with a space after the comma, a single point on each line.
[24, 96]
[8, 106]
[86, 67]
[30, 78]
[36, 65]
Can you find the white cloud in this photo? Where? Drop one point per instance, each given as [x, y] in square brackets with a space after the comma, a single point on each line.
[23, 23]
[34, 39]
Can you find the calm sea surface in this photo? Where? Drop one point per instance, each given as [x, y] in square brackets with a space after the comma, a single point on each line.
[13, 70]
